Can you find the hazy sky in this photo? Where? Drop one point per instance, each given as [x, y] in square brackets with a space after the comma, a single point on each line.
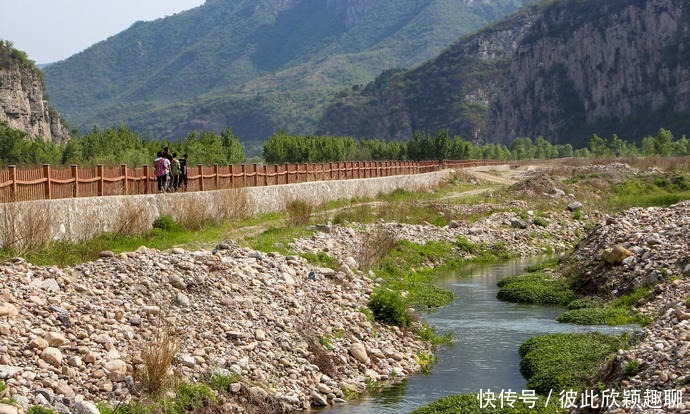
[52, 30]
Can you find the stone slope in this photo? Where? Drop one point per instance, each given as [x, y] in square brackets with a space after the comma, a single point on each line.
[74, 334]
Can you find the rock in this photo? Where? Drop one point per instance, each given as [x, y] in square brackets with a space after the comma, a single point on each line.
[177, 282]
[8, 309]
[8, 409]
[260, 335]
[575, 205]
[53, 356]
[351, 262]
[56, 339]
[318, 400]
[182, 299]
[85, 407]
[116, 370]
[258, 393]
[106, 253]
[38, 343]
[8, 371]
[359, 353]
[615, 255]
[557, 192]
[518, 224]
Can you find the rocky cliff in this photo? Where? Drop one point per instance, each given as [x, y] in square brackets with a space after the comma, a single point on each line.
[22, 102]
[561, 70]
[615, 66]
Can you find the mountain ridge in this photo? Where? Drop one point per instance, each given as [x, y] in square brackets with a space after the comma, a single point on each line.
[545, 86]
[224, 56]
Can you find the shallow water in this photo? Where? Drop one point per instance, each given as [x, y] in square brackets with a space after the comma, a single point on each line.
[488, 333]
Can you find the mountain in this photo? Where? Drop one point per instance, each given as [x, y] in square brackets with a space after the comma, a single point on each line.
[23, 104]
[562, 69]
[253, 65]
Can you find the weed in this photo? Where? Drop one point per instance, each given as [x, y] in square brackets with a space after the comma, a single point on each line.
[470, 404]
[631, 368]
[377, 243]
[540, 221]
[131, 219]
[321, 259]
[157, 357]
[26, 227]
[37, 409]
[165, 222]
[429, 334]
[299, 212]
[388, 306]
[222, 382]
[194, 213]
[425, 361]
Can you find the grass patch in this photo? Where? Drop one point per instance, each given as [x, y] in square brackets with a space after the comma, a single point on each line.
[565, 361]
[653, 190]
[277, 239]
[469, 404]
[594, 311]
[321, 259]
[37, 409]
[187, 398]
[536, 288]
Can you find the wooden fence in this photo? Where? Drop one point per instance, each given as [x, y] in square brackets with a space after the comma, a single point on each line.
[52, 183]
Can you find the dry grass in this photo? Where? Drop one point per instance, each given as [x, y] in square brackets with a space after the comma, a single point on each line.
[131, 219]
[233, 204]
[26, 227]
[157, 356]
[299, 212]
[376, 244]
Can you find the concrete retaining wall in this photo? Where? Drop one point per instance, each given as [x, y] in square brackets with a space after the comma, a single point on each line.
[84, 218]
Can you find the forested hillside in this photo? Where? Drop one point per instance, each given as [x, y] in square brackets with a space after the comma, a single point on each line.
[564, 69]
[253, 65]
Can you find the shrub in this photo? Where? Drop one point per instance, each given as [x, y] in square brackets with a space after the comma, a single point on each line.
[377, 243]
[537, 288]
[166, 223]
[388, 307]
[222, 382]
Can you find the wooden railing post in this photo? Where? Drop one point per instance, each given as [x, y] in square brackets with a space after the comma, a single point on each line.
[74, 168]
[243, 173]
[146, 179]
[287, 173]
[200, 168]
[232, 175]
[125, 184]
[13, 178]
[215, 176]
[101, 182]
[275, 171]
[46, 186]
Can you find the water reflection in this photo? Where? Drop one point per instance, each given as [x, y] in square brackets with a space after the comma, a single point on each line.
[488, 333]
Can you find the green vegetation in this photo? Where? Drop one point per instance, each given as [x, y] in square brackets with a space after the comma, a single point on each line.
[657, 190]
[321, 259]
[537, 287]
[631, 368]
[187, 398]
[565, 361]
[388, 307]
[115, 146]
[65, 253]
[470, 404]
[593, 311]
[37, 409]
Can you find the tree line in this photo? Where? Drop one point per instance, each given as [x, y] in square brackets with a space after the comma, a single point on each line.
[115, 146]
[282, 147]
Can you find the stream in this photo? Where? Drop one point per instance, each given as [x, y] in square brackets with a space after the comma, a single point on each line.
[487, 334]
